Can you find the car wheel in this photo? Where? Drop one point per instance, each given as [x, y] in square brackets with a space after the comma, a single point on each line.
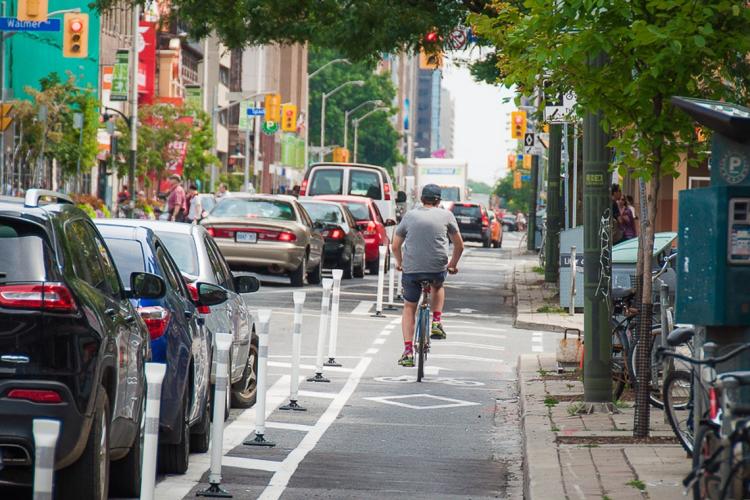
[88, 478]
[245, 391]
[486, 242]
[359, 271]
[299, 275]
[349, 267]
[174, 458]
[316, 275]
[126, 473]
[200, 437]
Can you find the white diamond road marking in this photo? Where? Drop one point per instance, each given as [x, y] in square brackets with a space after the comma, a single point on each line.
[451, 403]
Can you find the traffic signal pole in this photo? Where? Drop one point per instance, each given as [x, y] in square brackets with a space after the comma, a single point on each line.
[133, 159]
[597, 369]
[531, 225]
[552, 245]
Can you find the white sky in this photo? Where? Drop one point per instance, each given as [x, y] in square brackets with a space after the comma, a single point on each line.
[481, 134]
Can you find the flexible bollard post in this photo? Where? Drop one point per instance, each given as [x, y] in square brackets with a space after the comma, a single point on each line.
[381, 270]
[333, 339]
[398, 286]
[264, 317]
[154, 377]
[322, 332]
[223, 343]
[391, 305]
[46, 432]
[299, 301]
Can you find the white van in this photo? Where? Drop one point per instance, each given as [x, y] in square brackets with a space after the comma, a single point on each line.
[352, 179]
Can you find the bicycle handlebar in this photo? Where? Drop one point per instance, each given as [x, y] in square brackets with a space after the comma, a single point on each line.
[664, 267]
[664, 351]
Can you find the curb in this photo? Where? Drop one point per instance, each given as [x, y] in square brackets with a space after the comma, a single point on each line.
[544, 327]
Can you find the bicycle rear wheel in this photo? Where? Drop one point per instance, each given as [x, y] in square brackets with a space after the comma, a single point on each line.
[678, 404]
[424, 334]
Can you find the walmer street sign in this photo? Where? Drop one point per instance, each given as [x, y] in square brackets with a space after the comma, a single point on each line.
[256, 111]
[13, 24]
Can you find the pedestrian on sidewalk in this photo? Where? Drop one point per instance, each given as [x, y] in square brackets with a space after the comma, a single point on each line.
[626, 219]
[194, 205]
[617, 230]
[176, 199]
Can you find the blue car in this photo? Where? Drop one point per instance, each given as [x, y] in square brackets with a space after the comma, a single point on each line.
[178, 339]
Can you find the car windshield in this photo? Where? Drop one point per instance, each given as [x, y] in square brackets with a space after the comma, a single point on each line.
[323, 212]
[128, 256]
[326, 181]
[207, 202]
[365, 183]
[466, 211]
[24, 253]
[182, 248]
[254, 208]
[450, 193]
[359, 210]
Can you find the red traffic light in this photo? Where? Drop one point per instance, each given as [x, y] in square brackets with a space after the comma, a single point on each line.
[76, 25]
[431, 37]
[519, 119]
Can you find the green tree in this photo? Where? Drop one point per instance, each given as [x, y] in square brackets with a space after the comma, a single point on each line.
[199, 158]
[377, 137]
[480, 187]
[515, 200]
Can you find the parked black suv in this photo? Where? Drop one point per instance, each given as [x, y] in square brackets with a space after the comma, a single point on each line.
[473, 222]
[72, 348]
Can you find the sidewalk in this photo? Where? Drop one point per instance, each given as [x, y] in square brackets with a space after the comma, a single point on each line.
[575, 456]
[534, 297]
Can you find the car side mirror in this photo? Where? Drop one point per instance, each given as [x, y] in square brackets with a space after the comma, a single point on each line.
[147, 286]
[401, 197]
[211, 295]
[246, 284]
[389, 223]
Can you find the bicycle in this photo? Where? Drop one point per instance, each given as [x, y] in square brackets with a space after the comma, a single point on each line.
[422, 329]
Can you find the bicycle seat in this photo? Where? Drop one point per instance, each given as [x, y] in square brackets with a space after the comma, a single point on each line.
[742, 377]
[621, 294]
[680, 336]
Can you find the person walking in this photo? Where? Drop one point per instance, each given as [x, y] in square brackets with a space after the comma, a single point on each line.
[194, 205]
[222, 192]
[626, 219]
[617, 231]
[176, 199]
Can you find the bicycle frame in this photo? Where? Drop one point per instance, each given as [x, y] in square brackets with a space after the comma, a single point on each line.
[422, 330]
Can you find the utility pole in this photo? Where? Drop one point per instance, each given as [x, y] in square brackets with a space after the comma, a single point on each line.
[597, 369]
[552, 250]
[531, 224]
[134, 104]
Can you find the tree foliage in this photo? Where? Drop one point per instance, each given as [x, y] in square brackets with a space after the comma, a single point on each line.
[480, 187]
[377, 137]
[515, 200]
[199, 157]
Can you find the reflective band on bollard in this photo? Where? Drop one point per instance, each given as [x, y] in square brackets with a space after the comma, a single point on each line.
[381, 270]
[45, 440]
[223, 343]
[264, 318]
[322, 332]
[299, 301]
[154, 377]
[337, 275]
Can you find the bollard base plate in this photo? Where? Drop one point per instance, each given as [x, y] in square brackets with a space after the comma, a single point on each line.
[259, 440]
[216, 491]
[318, 378]
[293, 406]
[378, 314]
[331, 362]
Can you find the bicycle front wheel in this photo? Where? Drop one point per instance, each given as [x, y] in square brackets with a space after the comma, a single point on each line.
[678, 404]
[422, 344]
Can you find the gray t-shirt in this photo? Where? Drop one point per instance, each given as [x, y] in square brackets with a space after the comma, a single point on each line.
[425, 231]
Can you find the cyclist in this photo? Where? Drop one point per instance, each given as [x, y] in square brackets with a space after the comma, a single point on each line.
[423, 233]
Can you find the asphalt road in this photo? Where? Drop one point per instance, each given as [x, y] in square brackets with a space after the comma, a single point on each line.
[372, 431]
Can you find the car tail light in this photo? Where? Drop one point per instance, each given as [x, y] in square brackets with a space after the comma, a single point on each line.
[156, 319]
[468, 204]
[485, 220]
[47, 296]
[263, 234]
[387, 191]
[286, 236]
[194, 295]
[303, 188]
[334, 234]
[35, 395]
[371, 229]
[713, 399]
[211, 231]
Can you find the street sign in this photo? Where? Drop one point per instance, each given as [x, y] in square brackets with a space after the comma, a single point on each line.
[559, 108]
[528, 139]
[13, 24]
[525, 177]
[270, 127]
[531, 144]
[255, 111]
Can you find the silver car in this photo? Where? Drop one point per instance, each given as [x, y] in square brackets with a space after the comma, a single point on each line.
[199, 260]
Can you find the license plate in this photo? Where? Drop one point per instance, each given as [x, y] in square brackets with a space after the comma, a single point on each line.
[464, 220]
[243, 237]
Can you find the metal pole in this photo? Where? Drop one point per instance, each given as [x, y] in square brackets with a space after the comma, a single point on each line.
[256, 147]
[214, 143]
[597, 369]
[552, 250]
[566, 175]
[322, 332]
[573, 272]
[346, 130]
[154, 378]
[264, 320]
[46, 432]
[574, 222]
[78, 162]
[299, 301]
[2, 102]
[321, 155]
[247, 160]
[531, 225]
[356, 138]
[134, 104]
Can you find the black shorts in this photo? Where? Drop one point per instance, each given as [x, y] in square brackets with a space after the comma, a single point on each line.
[412, 283]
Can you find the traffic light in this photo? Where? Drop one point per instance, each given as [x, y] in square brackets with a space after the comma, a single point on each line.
[341, 155]
[517, 124]
[430, 60]
[527, 162]
[273, 107]
[76, 35]
[511, 162]
[32, 10]
[517, 179]
[289, 118]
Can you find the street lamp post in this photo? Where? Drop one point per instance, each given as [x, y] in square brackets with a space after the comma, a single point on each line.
[377, 102]
[326, 95]
[307, 109]
[356, 126]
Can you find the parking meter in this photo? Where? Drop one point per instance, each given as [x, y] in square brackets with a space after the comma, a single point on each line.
[713, 269]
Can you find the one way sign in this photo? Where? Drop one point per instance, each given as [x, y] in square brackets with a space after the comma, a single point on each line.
[531, 145]
[528, 139]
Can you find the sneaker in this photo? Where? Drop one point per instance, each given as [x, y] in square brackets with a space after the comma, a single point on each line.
[407, 359]
[437, 331]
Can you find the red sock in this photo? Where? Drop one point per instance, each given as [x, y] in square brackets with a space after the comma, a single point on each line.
[436, 315]
[408, 346]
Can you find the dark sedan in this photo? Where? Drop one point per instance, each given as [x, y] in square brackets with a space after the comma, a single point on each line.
[344, 243]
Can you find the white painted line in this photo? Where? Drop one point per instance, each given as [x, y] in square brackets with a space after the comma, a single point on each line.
[282, 364]
[452, 403]
[465, 358]
[286, 356]
[288, 426]
[537, 348]
[281, 478]
[363, 308]
[467, 325]
[484, 335]
[250, 463]
[396, 321]
[379, 341]
[372, 350]
[385, 333]
[176, 487]
[317, 394]
[431, 370]
[468, 344]
[390, 326]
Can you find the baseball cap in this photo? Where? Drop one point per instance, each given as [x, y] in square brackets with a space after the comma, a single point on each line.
[431, 191]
